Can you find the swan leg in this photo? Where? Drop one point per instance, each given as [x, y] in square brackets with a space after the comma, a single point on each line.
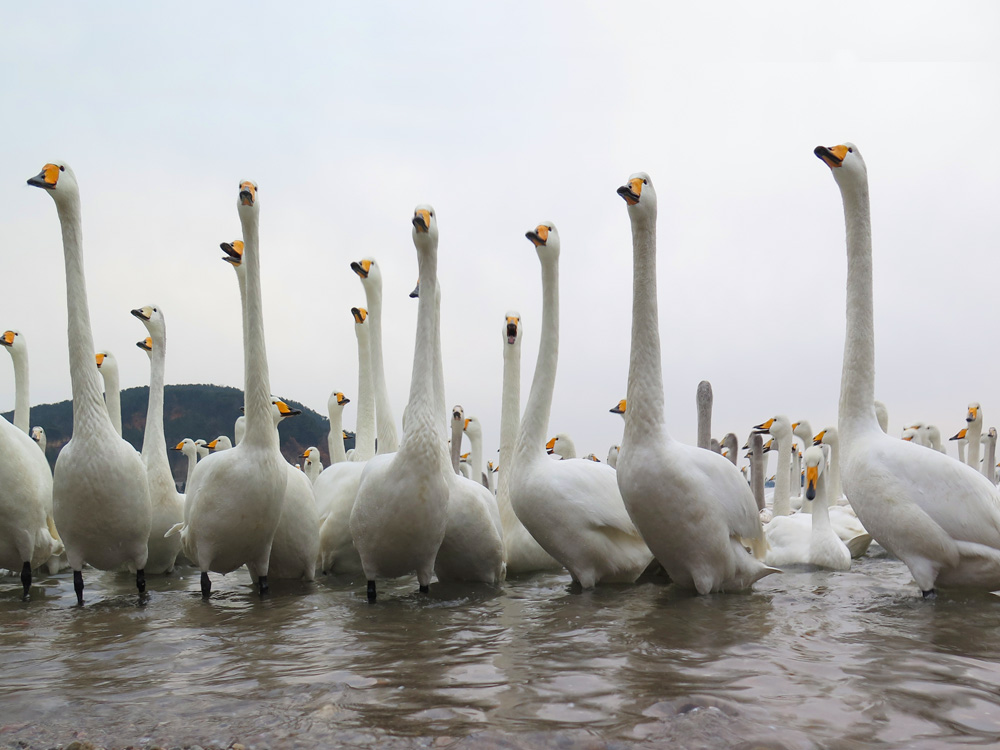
[78, 586]
[140, 581]
[26, 578]
[262, 586]
[929, 594]
[206, 585]
[371, 591]
[424, 589]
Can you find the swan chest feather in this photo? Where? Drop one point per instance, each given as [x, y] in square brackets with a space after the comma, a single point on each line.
[295, 548]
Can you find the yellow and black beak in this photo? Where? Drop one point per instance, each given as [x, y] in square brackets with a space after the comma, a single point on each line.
[8, 338]
[416, 291]
[422, 220]
[143, 313]
[539, 235]
[973, 412]
[819, 438]
[550, 446]
[248, 193]
[233, 251]
[832, 157]
[760, 429]
[359, 314]
[146, 344]
[47, 178]
[362, 269]
[179, 446]
[286, 410]
[812, 477]
[619, 408]
[100, 358]
[512, 329]
[342, 399]
[466, 425]
[960, 435]
[211, 446]
[305, 455]
[631, 192]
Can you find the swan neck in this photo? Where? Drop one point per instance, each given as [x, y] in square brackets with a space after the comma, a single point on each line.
[535, 421]
[364, 442]
[704, 404]
[335, 440]
[388, 439]
[22, 401]
[510, 409]
[781, 504]
[820, 507]
[456, 445]
[974, 434]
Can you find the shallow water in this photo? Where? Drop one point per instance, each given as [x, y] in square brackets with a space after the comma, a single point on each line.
[808, 659]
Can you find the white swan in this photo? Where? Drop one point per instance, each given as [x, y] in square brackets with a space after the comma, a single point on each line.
[808, 538]
[235, 498]
[960, 442]
[108, 367]
[27, 536]
[99, 494]
[364, 437]
[939, 517]
[990, 456]
[335, 440]
[190, 450]
[401, 511]
[524, 554]
[612, 459]
[561, 445]
[780, 428]
[312, 463]
[371, 279]
[221, 443]
[38, 435]
[474, 430]
[691, 505]
[974, 434]
[166, 502]
[572, 508]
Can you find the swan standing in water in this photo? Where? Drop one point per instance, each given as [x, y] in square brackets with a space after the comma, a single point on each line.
[691, 505]
[938, 516]
[166, 502]
[100, 497]
[572, 508]
[108, 367]
[234, 501]
[401, 511]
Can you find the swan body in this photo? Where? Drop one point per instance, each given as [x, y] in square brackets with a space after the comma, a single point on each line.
[692, 505]
[938, 516]
[572, 508]
[100, 498]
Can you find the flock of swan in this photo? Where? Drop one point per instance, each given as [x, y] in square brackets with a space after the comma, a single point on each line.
[399, 503]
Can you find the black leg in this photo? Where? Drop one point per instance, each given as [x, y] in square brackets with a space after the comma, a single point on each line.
[262, 585]
[425, 589]
[371, 591]
[78, 586]
[140, 581]
[932, 594]
[26, 579]
[206, 585]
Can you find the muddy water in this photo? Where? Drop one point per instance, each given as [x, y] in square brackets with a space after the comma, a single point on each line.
[810, 659]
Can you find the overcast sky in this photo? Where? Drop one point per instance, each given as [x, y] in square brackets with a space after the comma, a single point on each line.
[349, 114]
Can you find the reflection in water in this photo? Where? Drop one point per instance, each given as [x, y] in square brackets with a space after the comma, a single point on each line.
[807, 659]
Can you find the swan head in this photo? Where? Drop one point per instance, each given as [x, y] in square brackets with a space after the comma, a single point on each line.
[908, 434]
[201, 446]
[188, 447]
[233, 252]
[280, 410]
[369, 273]
[38, 434]
[640, 196]
[975, 414]
[146, 344]
[845, 162]
[337, 400]
[512, 328]
[106, 363]
[360, 315]
[815, 462]
[13, 341]
[473, 427]
[247, 200]
[619, 408]
[778, 426]
[58, 179]
[425, 228]
[545, 238]
[562, 446]
[458, 415]
[221, 443]
[152, 317]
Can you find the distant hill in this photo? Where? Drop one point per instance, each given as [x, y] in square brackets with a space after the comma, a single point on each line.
[194, 411]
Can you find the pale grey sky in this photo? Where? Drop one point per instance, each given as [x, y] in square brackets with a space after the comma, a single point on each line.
[349, 114]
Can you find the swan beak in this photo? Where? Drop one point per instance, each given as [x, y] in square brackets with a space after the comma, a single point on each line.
[812, 476]
[550, 446]
[511, 330]
[286, 410]
[248, 193]
[539, 236]
[422, 220]
[342, 399]
[619, 408]
[47, 178]
[362, 269]
[762, 428]
[211, 446]
[973, 411]
[233, 251]
[7, 339]
[143, 313]
[146, 344]
[416, 291]
[631, 192]
[819, 438]
[101, 355]
[832, 157]
[305, 455]
[769, 445]
[359, 314]
[960, 435]
[466, 425]
[178, 447]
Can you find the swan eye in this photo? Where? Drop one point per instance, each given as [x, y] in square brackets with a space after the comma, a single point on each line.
[62, 169]
[645, 182]
[850, 150]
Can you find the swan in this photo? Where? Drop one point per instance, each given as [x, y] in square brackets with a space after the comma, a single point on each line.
[961, 440]
[401, 511]
[474, 429]
[990, 457]
[364, 438]
[942, 519]
[27, 536]
[562, 446]
[524, 554]
[202, 446]
[780, 428]
[166, 502]
[691, 505]
[312, 464]
[491, 479]
[612, 459]
[99, 494]
[221, 443]
[371, 279]
[730, 447]
[38, 435]
[234, 502]
[190, 450]
[703, 404]
[108, 366]
[335, 441]
[573, 507]
[974, 434]
[808, 538]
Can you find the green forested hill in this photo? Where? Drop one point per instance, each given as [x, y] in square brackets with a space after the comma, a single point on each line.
[194, 411]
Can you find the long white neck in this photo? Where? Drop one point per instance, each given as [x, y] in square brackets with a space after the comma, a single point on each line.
[510, 409]
[89, 412]
[476, 443]
[820, 507]
[191, 454]
[857, 380]
[704, 403]
[961, 450]
[154, 443]
[260, 430]
[758, 465]
[388, 439]
[833, 467]
[781, 504]
[439, 396]
[795, 474]
[535, 422]
[22, 402]
[364, 439]
[113, 397]
[974, 434]
[990, 460]
[644, 415]
[456, 445]
[335, 440]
